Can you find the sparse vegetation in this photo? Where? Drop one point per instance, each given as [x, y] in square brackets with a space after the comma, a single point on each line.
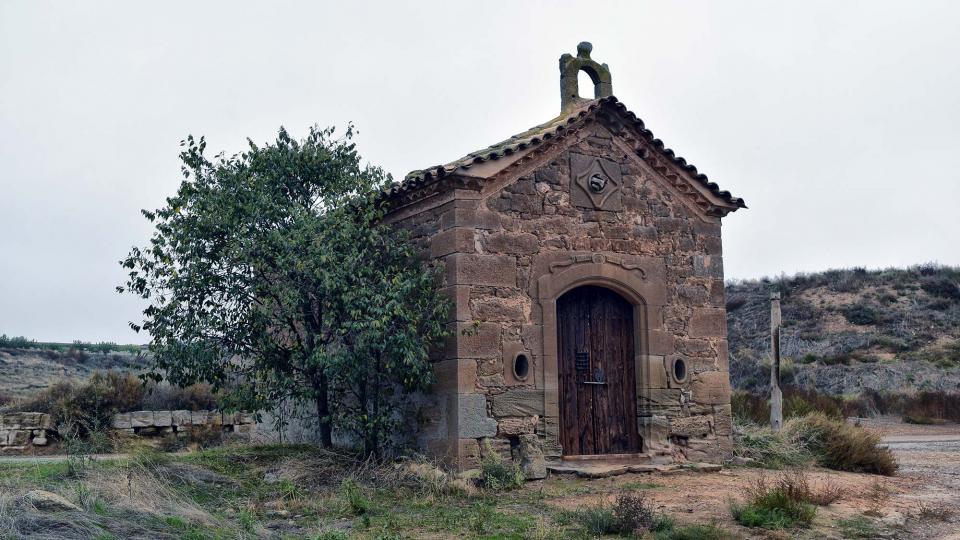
[498, 474]
[839, 322]
[841, 446]
[780, 505]
[103, 347]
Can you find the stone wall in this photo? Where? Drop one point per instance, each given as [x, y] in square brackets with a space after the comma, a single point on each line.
[182, 424]
[497, 246]
[22, 432]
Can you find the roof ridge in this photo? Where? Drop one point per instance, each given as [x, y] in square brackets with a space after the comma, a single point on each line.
[548, 131]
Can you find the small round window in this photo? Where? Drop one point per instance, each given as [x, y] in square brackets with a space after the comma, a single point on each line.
[679, 369]
[521, 367]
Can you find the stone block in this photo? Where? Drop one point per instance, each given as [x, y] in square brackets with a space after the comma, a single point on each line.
[693, 295]
[710, 322]
[162, 418]
[455, 240]
[140, 419]
[711, 388]
[228, 419]
[468, 453]
[474, 341]
[10, 421]
[532, 461]
[19, 437]
[4, 437]
[472, 417]
[723, 420]
[518, 403]
[493, 270]
[244, 429]
[246, 418]
[181, 418]
[692, 426]
[708, 266]
[511, 243]
[121, 421]
[31, 420]
[459, 296]
[661, 397]
[199, 418]
[658, 428]
[40, 439]
[498, 308]
[507, 427]
[704, 451]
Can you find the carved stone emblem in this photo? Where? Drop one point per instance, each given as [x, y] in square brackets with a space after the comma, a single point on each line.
[595, 183]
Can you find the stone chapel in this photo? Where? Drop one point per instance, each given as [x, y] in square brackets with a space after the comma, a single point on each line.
[584, 261]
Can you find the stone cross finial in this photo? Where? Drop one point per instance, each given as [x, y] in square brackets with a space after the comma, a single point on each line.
[570, 67]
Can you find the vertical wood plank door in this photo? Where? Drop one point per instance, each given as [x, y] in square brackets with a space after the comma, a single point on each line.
[598, 391]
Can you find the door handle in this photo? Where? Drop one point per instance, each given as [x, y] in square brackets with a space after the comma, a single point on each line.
[599, 377]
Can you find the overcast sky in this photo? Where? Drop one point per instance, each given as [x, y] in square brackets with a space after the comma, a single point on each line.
[837, 122]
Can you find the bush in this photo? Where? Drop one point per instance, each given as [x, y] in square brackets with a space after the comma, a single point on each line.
[862, 314]
[86, 408]
[357, 503]
[768, 449]
[797, 486]
[695, 532]
[943, 288]
[773, 507]
[840, 446]
[633, 514]
[497, 474]
[164, 397]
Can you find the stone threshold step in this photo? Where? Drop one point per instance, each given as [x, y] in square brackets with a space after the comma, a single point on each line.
[604, 470]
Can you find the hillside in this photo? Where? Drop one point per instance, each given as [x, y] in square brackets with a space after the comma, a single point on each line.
[849, 330]
[25, 370]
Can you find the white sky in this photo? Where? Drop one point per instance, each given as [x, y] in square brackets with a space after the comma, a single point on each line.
[836, 121]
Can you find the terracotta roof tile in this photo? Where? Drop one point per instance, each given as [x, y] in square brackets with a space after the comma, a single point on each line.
[545, 133]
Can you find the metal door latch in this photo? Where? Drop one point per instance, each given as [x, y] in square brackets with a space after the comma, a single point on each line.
[598, 377]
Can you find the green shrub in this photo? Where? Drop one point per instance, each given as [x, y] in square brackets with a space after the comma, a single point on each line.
[597, 520]
[840, 446]
[497, 474]
[357, 503]
[633, 514]
[695, 532]
[862, 314]
[943, 288]
[773, 507]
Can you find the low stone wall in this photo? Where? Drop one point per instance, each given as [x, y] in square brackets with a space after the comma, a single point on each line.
[22, 431]
[18, 431]
[181, 423]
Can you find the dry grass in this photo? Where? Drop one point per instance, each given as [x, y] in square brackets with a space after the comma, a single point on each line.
[797, 485]
[840, 446]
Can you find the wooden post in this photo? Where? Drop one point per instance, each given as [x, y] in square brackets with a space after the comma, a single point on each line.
[776, 396]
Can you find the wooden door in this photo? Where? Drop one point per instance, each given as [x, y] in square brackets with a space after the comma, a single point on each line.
[598, 391]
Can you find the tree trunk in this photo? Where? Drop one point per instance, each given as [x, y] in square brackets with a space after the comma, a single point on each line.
[321, 393]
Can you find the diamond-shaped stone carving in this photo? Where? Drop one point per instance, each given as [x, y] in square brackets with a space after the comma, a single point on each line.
[595, 183]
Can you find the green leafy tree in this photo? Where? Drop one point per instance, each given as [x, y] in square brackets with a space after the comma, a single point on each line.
[271, 275]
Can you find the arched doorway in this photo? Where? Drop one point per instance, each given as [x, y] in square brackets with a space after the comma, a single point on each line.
[596, 373]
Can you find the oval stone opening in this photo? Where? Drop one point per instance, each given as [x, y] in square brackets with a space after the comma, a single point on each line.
[521, 367]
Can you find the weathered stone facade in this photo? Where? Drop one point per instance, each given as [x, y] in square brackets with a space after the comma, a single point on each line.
[589, 198]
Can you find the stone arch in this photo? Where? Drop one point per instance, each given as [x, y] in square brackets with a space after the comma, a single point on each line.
[639, 282]
[570, 67]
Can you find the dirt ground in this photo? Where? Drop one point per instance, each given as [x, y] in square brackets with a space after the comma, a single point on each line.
[921, 502]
